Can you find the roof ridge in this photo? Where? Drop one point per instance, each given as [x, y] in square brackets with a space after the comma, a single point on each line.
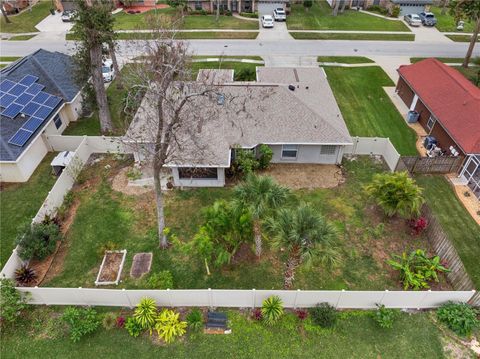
[42, 69]
[446, 69]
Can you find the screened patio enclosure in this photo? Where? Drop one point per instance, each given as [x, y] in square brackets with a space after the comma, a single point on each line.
[471, 173]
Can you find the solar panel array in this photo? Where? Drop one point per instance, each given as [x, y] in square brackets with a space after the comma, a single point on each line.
[26, 97]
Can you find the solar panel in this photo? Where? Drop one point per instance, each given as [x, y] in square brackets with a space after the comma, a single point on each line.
[32, 124]
[20, 137]
[41, 97]
[6, 85]
[31, 108]
[17, 90]
[12, 110]
[53, 101]
[24, 99]
[28, 80]
[6, 100]
[34, 89]
[43, 112]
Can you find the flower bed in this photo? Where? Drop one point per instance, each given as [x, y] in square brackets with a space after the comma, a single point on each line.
[111, 268]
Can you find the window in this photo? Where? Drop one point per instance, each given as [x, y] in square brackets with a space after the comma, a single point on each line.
[328, 150]
[198, 5]
[431, 122]
[197, 173]
[58, 121]
[289, 152]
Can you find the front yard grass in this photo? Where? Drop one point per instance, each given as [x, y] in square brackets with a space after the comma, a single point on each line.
[351, 36]
[182, 35]
[345, 59]
[319, 17]
[236, 66]
[367, 109]
[21, 37]
[447, 23]
[26, 20]
[453, 60]
[462, 230]
[355, 336]
[471, 73]
[20, 202]
[461, 38]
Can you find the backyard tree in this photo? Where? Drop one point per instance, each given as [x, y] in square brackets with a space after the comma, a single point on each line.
[94, 28]
[470, 10]
[261, 195]
[4, 13]
[396, 193]
[305, 234]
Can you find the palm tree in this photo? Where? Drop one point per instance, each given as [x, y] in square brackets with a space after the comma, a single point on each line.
[305, 234]
[259, 195]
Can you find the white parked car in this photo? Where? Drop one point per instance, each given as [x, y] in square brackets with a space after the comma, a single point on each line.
[279, 14]
[267, 21]
[68, 15]
[413, 19]
[108, 71]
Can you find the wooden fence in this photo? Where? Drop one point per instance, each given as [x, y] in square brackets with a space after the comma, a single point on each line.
[416, 164]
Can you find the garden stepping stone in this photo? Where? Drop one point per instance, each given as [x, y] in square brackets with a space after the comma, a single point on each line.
[142, 263]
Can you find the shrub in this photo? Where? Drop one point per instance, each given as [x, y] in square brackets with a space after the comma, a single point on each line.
[307, 4]
[109, 321]
[134, 174]
[385, 316]
[257, 314]
[38, 241]
[81, 321]
[25, 275]
[272, 309]
[160, 280]
[418, 225]
[302, 314]
[120, 322]
[323, 315]
[252, 15]
[245, 161]
[133, 327]
[459, 317]
[145, 313]
[195, 319]
[395, 11]
[396, 193]
[245, 74]
[169, 326]
[265, 156]
[417, 269]
[11, 301]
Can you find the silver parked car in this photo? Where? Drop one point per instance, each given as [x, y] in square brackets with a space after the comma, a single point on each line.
[413, 19]
[428, 18]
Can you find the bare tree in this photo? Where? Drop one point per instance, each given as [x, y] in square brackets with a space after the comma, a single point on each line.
[113, 56]
[4, 13]
[344, 3]
[335, 8]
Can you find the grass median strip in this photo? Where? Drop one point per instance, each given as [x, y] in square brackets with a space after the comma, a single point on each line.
[185, 35]
[351, 36]
[21, 37]
[452, 60]
[461, 38]
[345, 59]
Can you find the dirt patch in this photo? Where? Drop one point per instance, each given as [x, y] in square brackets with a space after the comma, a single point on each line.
[244, 254]
[41, 268]
[120, 184]
[141, 265]
[111, 267]
[305, 176]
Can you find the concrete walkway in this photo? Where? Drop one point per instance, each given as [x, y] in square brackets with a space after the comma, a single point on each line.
[290, 61]
[243, 17]
[390, 64]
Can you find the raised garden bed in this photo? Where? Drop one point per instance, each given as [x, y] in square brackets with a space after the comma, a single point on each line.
[111, 268]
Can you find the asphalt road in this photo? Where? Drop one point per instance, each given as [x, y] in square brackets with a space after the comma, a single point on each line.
[268, 48]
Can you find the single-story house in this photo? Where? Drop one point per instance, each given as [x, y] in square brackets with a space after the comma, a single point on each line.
[292, 110]
[406, 6]
[38, 96]
[260, 6]
[449, 109]
[14, 6]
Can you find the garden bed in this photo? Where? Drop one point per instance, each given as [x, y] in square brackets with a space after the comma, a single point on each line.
[111, 268]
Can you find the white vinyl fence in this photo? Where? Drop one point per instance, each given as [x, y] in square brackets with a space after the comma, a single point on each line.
[249, 298]
[374, 146]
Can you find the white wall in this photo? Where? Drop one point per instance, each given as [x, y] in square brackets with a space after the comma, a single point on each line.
[307, 154]
[199, 182]
[374, 146]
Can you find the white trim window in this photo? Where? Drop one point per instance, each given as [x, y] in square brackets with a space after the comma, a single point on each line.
[430, 122]
[289, 152]
[328, 150]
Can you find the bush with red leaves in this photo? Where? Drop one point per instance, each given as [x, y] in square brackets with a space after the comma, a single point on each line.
[120, 322]
[418, 225]
[301, 314]
[257, 314]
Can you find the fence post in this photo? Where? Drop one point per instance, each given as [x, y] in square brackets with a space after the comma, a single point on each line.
[339, 297]
[128, 298]
[295, 301]
[383, 296]
[80, 289]
[169, 295]
[41, 297]
[210, 298]
[253, 298]
[423, 298]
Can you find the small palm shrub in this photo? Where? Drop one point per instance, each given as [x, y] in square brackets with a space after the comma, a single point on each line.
[80, 321]
[459, 317]
[25, 275]
[145, 313]
[396, 193]
[133, 327]
[195, 319]
[385, 316]
[169, 326]
[109, 321]
[272, 309]
[160, 280]
[38, 241]
[324, 315]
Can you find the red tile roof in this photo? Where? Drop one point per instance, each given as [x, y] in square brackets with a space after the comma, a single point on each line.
[453, 100]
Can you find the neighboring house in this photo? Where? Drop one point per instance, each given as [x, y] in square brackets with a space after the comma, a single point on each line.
[292, 110]
[449, 109]
[48, 101]
[14, 6]
[406, 6]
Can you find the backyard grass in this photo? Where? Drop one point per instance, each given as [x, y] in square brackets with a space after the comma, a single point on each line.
[345, 59]
[319, 17]
[447, 23]
[21, 37]
[26, 20]
[365, 238]
[356, 335]
[471, 73]
[461, 38]
[456, 221]
[19, 202]
[351, 36]
[367, 109]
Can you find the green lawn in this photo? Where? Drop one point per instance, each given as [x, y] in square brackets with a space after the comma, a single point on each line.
[456, 221]
[26, 21]
[367, 109]
[236, 66]
[441, 59]
[461, 38]
[188, 35]
[19, 202]
[124, 21]
[240, 57]
[345, 59]
[319, 17]
[353, 36]
[356, 335]
[447, 23]
[9, 58]
[21, 37]
[471, 73]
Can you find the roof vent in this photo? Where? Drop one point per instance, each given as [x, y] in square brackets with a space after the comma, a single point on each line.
[291, 87]
[220, 99]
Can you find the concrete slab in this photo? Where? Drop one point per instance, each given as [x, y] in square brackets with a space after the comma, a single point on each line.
[54, 23]
[390, 64]
[290, 61]
[278, 32]
[429, 35]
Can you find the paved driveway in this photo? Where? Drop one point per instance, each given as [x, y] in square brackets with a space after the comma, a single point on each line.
[278, 32]
[54, 23]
